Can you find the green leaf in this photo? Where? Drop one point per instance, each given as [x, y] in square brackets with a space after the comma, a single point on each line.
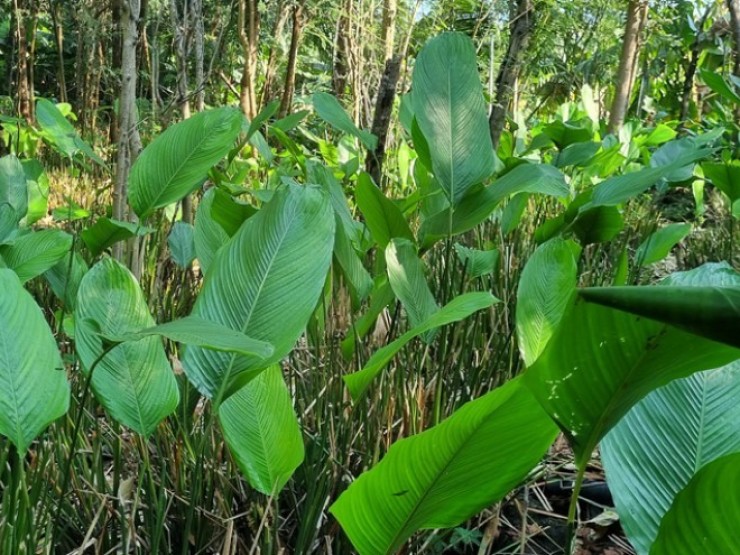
[478, 263]
[597, 224]
[382, 217]
[209, 236]
[37, 183]
[381, 296]
[32, 254]
[659, 244]
[106, 232]
[192, 330]
[600, 362]
[546, 287]
[253, 286]
[653, 452]
[64, 278]
[704, 517]
[619, 189]
[13, 190]
[357, 277]
[262, 431]
[716, 82]
[726, 177]
[32, 377]
[705, 302]
[330, 110]
[457, 309]
[182, 244]
[409, 284]
[60, 132]
[134, 380]
[476, 207]
[265, 114]
[452, 114]
[178, 160]
[445, 475]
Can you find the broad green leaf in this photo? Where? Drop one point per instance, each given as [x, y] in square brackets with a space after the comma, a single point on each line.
[209, 235]
[704, 301]
[457, 309]
[33, 381]
[71, 211]
[290, 121]
[182, 244]
[600, 362]
[382, 217]
[106, 232]
[178, 160]
[65, 276]
[229, 212]
[717, 83]
[265, 114]
[619, 189]
[37, 183]
[253, 286]
[659, 244]
[445, 475]
[32, 254]
[330, 110]
[192, 330]
[477, 262]
[262, 431]
[452, 115]
[726, 177]
[357, 277]
[13, 193]
[705, 516]
[546, 287]
[60, 132]
[577, 154]
[597, 224]
[134, 380]
[653, 452]
[408, 281]
[476, 207]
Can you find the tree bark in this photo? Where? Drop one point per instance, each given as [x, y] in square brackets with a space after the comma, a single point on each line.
[129, 144]
[342, 41]
[199, 54]
[636, 17]
[272, 61]
[390, 9]
[382, 117]
[520, 33]
[295, 40]
[24, 79]
[56, 20]
[734, 7]
[249, 28]
[180, 27]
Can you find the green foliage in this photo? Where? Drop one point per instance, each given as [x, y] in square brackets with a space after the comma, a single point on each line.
[106, 232]
[178, 160]
[253, 288]
[33, 381]
[262, 431]
[132, 380]
[443, 476]
[33, 254]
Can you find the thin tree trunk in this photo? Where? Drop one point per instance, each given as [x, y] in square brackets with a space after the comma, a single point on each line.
[734, 7]
[295, 40]
[382, 117]
[272, 60]
[129, 144]
[24, 98]
[341, 66]
[249, 25]
[180, 26]
[390, 9]
[57, 23]
[688, 83]
[199, 46]
[520, 29]
[636, 16]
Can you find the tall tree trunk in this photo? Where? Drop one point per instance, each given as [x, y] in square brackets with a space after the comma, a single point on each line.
[129, 144]
[636, 17]
[734, 7]
[295, 41]
[342, 48]
[199, 48]
[382, 117]
[390, 9]
[181, 26]
[688, 83]
[56, 19]
[22, 10]
[520, 33]
[272, 60]
[249, 28]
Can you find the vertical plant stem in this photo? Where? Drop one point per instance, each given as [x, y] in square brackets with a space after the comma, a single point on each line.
[573, 509]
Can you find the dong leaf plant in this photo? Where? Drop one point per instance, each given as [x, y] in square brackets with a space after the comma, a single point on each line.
[591, 355]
